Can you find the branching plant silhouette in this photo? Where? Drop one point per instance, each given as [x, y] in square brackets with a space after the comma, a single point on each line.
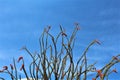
[53, 61]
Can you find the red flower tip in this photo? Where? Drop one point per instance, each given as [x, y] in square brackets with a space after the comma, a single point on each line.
[37, 68]
[99, 73]
[11, 66]
[98, 42]
[64, 34]
[5, 67]
[114, 70]
[20, 58]
[93, 79]
[22, 67]
[115, 58]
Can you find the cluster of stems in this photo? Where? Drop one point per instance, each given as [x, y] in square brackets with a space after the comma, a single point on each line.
[55, 60]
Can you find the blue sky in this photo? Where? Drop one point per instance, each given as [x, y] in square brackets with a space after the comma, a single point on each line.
[22, 22]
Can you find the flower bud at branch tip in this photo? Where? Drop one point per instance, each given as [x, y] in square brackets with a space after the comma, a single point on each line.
[5, 67]
[22, 67]
[37, 68]
[114, 70]
[47, 29]
[93, 79]
[98, 42]
[64, 34]
[115, 58]
[77, 26]
[11, 66]
[99, 73]
[20, 58]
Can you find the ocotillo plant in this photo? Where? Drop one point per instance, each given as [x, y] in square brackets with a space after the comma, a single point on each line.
[56, 61]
